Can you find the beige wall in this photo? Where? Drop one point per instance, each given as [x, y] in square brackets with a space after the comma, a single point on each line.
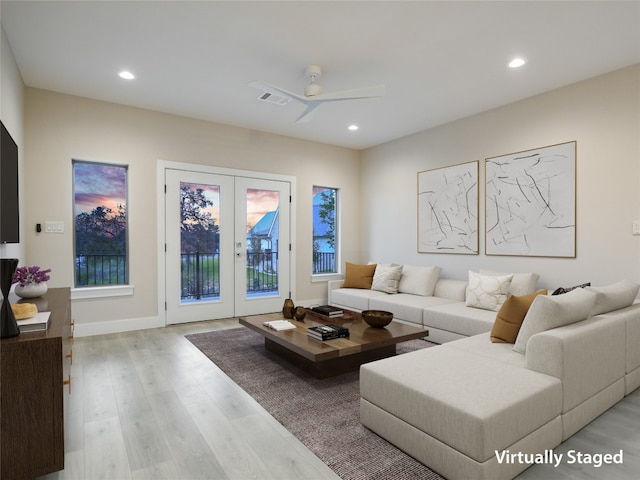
[602, 114]
[62, 127]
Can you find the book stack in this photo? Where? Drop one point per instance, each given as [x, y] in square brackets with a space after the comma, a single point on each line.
[328, 310]
[36, 323]
[328, 332]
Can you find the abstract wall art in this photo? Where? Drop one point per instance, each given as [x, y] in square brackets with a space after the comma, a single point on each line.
[530, 205]
[448, 209]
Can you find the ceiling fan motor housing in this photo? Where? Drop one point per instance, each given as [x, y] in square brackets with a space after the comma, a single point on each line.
[314, 72]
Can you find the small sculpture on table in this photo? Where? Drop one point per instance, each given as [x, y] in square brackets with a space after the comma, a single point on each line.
[299, 313]
[288, 308]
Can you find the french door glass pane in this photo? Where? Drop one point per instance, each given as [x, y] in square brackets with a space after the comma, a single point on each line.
[199, 242]
[263, 228]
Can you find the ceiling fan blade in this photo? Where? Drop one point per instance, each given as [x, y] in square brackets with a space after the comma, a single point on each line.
[265, 87]
[308, 113]
[367, 92]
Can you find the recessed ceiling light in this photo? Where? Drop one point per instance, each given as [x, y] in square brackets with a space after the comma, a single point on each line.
[353, 128]
[517, 62]
[127, 75]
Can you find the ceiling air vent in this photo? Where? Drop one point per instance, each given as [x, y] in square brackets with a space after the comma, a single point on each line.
[271, 98]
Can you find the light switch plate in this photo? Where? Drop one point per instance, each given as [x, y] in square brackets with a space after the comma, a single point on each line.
[636, 227]
[53, 227]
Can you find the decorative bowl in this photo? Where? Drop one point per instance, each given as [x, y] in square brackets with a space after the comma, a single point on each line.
[377, 318]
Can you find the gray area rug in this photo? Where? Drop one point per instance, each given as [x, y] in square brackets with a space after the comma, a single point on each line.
[323, 414]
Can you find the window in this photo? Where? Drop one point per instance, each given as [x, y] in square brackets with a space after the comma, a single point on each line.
[100, 231]
[325, 205]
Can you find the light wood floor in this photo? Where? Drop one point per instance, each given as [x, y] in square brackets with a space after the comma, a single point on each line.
[149, 405]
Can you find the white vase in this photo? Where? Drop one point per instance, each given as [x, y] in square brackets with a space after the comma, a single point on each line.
[31, 290]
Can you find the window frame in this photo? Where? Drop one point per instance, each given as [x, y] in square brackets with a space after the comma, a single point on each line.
[337, 273]
[102, 289]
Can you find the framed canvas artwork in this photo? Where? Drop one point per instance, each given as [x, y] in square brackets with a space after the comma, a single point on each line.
[530, 204]
[448, 209]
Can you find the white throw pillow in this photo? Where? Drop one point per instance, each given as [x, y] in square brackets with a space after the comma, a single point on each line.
[522, 283]
[487, 291]
[614, 297]
[386, 278]
[549, 312]
[419, 280]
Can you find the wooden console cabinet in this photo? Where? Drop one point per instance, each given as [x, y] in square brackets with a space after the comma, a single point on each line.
[35, 378]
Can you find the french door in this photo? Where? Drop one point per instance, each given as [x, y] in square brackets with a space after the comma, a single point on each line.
[227, 245]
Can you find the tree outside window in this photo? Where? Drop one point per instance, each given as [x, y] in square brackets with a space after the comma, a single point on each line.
[324, 229]
[100, 230]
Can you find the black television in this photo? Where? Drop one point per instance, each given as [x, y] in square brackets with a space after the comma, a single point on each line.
[9, 212]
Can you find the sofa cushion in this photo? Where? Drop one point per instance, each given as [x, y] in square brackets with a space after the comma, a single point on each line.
[353, 298]
[358, 276]
[419, 280]
[451, 289]
[458, 318]
[487, 291]
[386, 278]
[482, 346]
[405, 306]
[426, 389]
[549, 312]
[510, 317]
[521, 284]
[614, 297]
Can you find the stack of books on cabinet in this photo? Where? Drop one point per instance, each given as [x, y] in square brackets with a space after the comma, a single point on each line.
[328, 332]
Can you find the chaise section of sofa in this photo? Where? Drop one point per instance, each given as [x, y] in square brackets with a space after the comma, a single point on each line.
[426, 409]
[460, 406]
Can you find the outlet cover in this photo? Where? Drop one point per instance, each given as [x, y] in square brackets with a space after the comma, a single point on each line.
[636, 227]
[53, 227]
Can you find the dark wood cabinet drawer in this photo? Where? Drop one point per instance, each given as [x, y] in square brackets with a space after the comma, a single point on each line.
[34, 367]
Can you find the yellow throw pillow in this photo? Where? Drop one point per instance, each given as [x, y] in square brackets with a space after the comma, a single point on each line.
[359, 276]
[510, 317]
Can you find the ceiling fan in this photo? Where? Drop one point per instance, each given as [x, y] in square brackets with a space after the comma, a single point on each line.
[313, 96]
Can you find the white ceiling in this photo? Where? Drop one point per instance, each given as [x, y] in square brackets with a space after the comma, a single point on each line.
[440, 61]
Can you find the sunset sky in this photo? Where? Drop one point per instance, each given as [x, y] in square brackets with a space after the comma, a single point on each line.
[259, 202]
[106, 185]
[98, 185]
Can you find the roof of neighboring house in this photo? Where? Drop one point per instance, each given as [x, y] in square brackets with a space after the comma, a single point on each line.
[267, 226]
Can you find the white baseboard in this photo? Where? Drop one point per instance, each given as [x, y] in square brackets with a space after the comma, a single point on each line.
[116, 326]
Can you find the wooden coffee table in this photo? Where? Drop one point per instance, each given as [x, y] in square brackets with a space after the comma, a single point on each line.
[324, 359]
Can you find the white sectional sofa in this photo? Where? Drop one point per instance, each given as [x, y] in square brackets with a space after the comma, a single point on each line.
[423, 298]
[464, 407]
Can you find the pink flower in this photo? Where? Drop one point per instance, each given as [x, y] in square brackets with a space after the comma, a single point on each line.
[27, 275]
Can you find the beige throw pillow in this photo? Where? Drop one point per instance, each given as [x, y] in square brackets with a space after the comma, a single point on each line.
[386, 278]
[549, 312]
[358, 276]
[521, 284]
[486, 291]
[614, 297]
[510, 317]
[419, 280]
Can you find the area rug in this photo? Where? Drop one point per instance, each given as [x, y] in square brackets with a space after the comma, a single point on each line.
[323, 414]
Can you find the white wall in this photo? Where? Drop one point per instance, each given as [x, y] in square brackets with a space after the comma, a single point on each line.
[60, 128]
[11, 113]
[602, 114]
